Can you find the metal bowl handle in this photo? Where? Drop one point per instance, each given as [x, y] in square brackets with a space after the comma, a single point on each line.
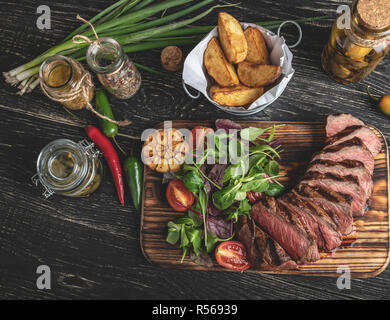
[299, 30]
[188, 93]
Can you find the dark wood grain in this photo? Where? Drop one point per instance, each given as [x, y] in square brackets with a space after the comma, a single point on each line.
[92, 245]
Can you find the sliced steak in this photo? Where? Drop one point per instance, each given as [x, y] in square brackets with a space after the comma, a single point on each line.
[257, 255]
[263, 252]
[336, 123]
[348, 185]
[345, 168]
[282, 260]
[310, 214]
[285, 230]
[337, 205]
[353, 149]
[364, 133]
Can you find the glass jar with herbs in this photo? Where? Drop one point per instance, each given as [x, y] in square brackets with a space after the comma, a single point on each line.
[105, 56]
[68, 168]
[353, 51]
[65, 80]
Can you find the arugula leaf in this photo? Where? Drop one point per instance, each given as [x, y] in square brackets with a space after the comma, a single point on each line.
[241, 195]
[257, 185]
[262, 148]
[173, 232]
[224, 198]
[195, 237]
[272, 134]
[211, 242]
[193, 181]
[274, 190]
[272, 168]
[252, 133]
[203, 202]
[197, 220]
[243, 209]
[187, 167]
[184, 239]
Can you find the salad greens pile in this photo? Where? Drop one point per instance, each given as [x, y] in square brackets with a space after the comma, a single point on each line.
[242, 161]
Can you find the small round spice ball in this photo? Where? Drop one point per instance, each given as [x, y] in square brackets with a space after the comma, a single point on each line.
[172, 58]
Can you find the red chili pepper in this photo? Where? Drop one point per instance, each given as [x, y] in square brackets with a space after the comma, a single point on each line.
[112, 158]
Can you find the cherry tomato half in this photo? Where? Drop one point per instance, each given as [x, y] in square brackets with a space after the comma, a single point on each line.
[232, 255]
[178, 196]
[199, 135]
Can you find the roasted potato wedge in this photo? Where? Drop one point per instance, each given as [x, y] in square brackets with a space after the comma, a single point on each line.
[218, 67]
[257, 48]
[235, 96]
[232, 38]
[258, 75]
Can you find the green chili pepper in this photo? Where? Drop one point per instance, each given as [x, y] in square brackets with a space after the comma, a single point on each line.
[134, 172]
[103, 107]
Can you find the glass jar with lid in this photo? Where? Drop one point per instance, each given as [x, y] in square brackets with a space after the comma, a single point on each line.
[65, 80]
[354, 51]
[68, 168]
[105, 56]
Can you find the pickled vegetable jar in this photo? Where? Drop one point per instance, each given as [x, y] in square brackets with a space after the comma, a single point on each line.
[354, 51]
[105, 56]
[65, 80]
[68, 168]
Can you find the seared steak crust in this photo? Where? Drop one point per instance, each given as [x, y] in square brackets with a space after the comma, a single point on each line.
[263, 252]
[310, 214]
[285, 230]
[345, 168]
[347, 184]
[353, 149]
[320, 209]
[336, 123]
[364, 133]
[337, 205]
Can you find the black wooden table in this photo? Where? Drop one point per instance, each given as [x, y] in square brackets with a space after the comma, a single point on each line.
[92, 245]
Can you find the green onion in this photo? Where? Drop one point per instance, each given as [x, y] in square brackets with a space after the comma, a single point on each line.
[142, 67]
[130, 22]
[97, 17]
[163, 20]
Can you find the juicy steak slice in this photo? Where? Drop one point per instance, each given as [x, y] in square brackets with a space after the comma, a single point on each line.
[310, 214]
[348, 185]
[364, 133]
[336, 123]
[263, 252]
[285, 230]
[336, 205]
[353, 149]
[345, 168]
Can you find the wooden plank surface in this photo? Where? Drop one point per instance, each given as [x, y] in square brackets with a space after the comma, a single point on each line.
[365, 251]
[92, 244]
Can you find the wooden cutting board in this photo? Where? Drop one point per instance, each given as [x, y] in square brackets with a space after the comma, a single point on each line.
[365, 252]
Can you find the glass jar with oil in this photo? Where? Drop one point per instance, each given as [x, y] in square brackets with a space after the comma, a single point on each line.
[68, 168]
[353, 51]
[65, 80]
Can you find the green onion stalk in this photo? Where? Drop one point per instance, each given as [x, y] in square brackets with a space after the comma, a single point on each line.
[136, 26]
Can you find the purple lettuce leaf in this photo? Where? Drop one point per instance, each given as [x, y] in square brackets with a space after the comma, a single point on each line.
[216, 175]
[203, 259]
[212, 210]
[226, 125]
[218, 226]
